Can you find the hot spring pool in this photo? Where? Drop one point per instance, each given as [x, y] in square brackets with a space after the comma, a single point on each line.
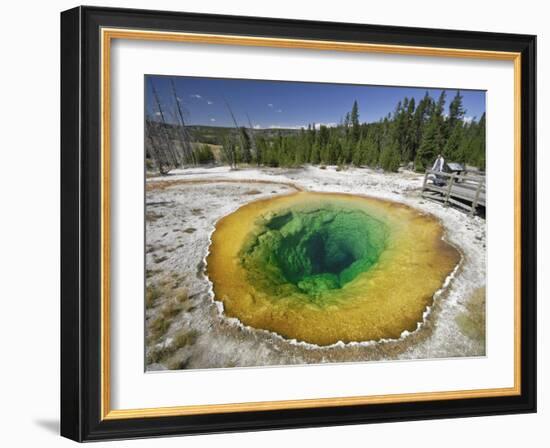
[323, 268]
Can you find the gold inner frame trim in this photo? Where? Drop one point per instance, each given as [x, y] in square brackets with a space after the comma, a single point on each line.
[107, 35]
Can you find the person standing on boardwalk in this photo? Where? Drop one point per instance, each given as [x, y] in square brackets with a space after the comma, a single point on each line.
[439, 163]
[439, 166]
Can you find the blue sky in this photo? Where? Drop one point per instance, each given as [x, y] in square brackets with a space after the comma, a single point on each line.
[287, 104]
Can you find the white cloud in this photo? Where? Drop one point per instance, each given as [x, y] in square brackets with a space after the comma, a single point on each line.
[157, 114]
[328, 125]
[209, 102]
[196, 95]
[298, 126]
[257, 126]
[270, 105]
[468, 119]
[282, 126]
[212, 119]
[279, 110]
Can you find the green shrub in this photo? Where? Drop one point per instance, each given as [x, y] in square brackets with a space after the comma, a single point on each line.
[205, 155]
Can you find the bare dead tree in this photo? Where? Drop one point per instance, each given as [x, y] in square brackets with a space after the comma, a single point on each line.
[153, 148]
[185, 139]
[237, 129]
[229, 151]
[252, 139]
[168, 155]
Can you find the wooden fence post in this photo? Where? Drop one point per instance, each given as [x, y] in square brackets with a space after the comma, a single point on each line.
[449, 188]
[476, 198]
[425, 182]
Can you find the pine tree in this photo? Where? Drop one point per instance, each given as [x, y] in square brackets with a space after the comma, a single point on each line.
[315, 156]
[419, 121]
[389, 157]
[408, 149]
[456, 111]
[372, 145]
[354, 118]
[324, 135]
[301, 149]
[346, 124]
[481, 148]
[310, 135]
[431, 145]
[475, 150]
[358, 154]
[335, 152]
[451, 151]
[399, 127]
[261, 148]
[441, 122]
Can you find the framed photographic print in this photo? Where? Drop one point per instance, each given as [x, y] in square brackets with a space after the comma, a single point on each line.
[275, 224]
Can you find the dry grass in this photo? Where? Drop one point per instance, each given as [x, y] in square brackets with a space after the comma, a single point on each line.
[158, 354]
[176, 363]
[152, 248]
[158, 328]
[175, 301]
[159, 259]
[150, 272]
[153, 216]
[152, 293]
[472, 321]
[167, 355]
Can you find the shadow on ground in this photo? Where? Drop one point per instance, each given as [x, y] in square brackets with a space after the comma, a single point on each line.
[51, 426]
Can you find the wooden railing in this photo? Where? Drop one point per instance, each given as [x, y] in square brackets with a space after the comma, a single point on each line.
[466, 191]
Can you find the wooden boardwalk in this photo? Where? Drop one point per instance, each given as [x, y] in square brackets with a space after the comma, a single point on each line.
[466, 192]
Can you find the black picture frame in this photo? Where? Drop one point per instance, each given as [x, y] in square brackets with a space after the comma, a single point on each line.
[81, 224]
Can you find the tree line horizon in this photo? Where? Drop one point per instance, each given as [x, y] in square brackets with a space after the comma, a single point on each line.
[412, 134]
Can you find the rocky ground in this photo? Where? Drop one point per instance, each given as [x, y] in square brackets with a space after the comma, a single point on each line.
[186, 327]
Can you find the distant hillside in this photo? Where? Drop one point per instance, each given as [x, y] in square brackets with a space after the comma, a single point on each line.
[412, 134]
[215, 135]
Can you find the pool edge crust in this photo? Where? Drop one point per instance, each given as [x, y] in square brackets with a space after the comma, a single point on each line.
[382, 303]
